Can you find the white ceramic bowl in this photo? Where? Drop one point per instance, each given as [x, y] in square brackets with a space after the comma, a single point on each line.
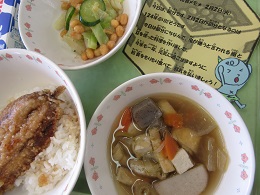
[36, 20]
[239, 176]
[22, 70]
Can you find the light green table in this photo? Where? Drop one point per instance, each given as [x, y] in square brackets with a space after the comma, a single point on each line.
[94, 83]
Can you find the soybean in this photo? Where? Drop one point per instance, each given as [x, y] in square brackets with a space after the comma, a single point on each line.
[123, 19]
[120, 31]
[90, 53]
[103, 49]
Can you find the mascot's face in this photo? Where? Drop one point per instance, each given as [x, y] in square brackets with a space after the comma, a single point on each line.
[233, 70]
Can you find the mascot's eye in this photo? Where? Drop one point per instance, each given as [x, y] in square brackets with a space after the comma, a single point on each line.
[241, 70]
[228, 70]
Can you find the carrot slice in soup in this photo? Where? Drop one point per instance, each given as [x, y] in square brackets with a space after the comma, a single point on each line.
[126, 119]
[173, 120]
[170, 146]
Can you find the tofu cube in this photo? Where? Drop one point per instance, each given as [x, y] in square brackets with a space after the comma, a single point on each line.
[182, 161]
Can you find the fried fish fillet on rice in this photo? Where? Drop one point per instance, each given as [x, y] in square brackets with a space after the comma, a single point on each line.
[26, 125]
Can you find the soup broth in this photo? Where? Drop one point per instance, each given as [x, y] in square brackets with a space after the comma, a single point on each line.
[137, 159]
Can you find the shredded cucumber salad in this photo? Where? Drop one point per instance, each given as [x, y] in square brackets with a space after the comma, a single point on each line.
[91, 27]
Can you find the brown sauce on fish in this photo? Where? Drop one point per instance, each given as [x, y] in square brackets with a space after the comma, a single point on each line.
[26, 126]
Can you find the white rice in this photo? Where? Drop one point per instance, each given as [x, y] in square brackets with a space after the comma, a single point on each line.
[59, 158]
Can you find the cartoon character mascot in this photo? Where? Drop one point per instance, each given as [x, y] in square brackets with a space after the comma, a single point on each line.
[233, 75]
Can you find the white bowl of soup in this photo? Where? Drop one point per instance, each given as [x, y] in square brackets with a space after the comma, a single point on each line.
[166, 133]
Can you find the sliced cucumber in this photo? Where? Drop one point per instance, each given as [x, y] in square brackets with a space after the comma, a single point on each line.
[99, 33]
[90, 40]
[86, 13]
[68, 17]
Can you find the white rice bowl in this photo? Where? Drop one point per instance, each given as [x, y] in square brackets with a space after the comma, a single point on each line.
[53, 163]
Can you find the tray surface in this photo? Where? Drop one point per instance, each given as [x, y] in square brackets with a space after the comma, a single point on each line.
[94, 83]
